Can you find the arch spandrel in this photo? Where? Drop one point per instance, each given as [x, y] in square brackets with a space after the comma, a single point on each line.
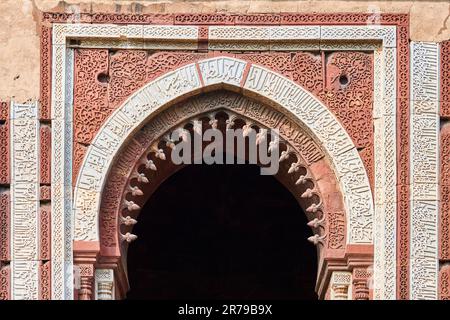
[256, 81]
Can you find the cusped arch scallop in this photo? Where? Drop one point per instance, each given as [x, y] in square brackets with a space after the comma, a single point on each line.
[251, 80]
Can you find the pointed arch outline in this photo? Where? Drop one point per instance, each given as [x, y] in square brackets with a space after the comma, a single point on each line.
[253, 81]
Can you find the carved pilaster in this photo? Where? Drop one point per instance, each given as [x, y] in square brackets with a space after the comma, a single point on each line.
[341, 285]
[361, 283]
[104, 281]
[104, 290]
[86, 282]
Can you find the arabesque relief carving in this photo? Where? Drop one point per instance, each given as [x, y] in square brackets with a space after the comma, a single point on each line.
[128, 183]
[125, 71]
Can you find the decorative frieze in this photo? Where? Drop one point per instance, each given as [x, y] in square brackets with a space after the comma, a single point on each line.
[424, 170]
[5, 226]
[5, 282]
[445, 79]
[45, 232]
[24, 200]
[61, 178]
[4, 153]
[45, 73]
[45, 156]
[362, 280]
[314, 115]
[386, 34]
[222, 70]
[444, 282]
[403, 162]
[45, 281]
[444, 174]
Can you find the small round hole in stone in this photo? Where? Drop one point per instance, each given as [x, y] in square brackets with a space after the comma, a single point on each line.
[103, 78]
[343, 80]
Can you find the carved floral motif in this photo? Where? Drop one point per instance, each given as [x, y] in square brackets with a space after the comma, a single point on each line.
[4, 153]
[45, 233]
[5, 282]
[444, 282]
[445, 79]
[116, 186]
[444, 221]
[45, 281]
[45, 154]
[4, 226]
[399, 20]
[403, 149]
[90, 95]
[46, 73]
[351, 101]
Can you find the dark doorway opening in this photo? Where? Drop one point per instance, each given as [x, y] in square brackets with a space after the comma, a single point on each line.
[222, 232]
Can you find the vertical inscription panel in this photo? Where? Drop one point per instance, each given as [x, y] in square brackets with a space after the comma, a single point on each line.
[24, 201]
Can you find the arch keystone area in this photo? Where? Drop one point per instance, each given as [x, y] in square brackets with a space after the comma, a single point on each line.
[251, 80]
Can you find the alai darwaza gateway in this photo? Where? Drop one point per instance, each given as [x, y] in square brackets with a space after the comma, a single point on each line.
[224, 150]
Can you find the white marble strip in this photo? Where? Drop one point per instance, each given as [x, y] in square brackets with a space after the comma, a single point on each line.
[61, 175]
[424, 170]
[111, 31]
[386, 34]
[24, 201]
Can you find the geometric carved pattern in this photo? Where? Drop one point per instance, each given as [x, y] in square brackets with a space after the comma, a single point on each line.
[123, 72]
[340, 285]
[45, 193]
[90, 95]
[444, 174]
[46, 73]
[403, 162]
[5, 226]
[45, 234]
[45, 154]
[227, 18]
[4, 111]
[424, 173]
[351, 102]
[444, 282]
[342, 152]
[4, 153]
[61, 179]
[129, 70]
[207, 105]
[104, 279]
[24, 208]
[445, 79]
[45, 281]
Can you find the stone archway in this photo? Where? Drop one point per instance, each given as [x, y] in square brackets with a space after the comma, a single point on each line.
[316, 128]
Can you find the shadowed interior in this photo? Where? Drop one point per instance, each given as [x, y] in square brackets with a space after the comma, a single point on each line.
[222, 232]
